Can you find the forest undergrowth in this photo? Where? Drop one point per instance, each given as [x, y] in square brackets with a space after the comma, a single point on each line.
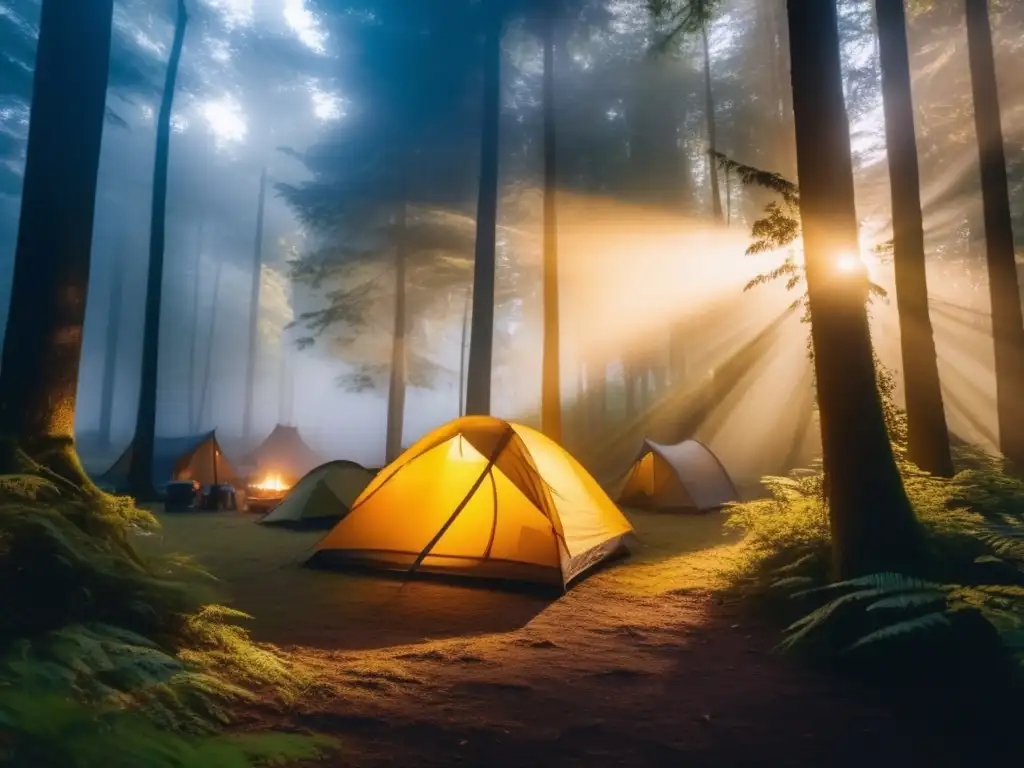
[951, 622]
[109, 658]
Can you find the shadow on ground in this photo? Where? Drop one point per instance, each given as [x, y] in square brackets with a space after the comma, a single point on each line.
[260, 572]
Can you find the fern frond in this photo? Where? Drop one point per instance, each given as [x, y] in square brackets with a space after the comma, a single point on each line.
[929, 621]
[792, 581]
[797, 564]
[885, 582]
[906, 600]
[801, 628]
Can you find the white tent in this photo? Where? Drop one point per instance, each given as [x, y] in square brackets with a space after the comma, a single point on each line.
[322, 497]
[686, 476]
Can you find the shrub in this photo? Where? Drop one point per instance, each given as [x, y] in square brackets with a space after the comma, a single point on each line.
[111, 658]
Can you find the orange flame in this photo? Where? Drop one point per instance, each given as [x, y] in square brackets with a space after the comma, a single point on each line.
[271, 483]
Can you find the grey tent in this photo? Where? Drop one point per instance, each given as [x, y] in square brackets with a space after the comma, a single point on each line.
[193, 457]
[322, 497]
[685, 477]
[284, 453]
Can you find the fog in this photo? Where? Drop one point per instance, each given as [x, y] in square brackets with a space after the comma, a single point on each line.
[269, 84]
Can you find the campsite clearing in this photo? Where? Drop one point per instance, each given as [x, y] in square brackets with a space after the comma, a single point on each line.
[639, 664]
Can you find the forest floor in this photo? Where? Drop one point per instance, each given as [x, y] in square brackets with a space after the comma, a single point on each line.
[644, 663]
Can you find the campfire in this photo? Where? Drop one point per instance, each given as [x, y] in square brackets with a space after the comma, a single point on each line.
[270, 485]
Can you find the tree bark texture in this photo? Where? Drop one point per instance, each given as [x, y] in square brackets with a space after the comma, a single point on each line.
[872, 523]
[928, 435]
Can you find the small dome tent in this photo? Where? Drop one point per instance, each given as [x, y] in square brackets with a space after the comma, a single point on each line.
[480, 498]
[685, 477]
[322, 497]
[195, 457]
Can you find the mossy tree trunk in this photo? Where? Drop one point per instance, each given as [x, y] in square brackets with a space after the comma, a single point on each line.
[140, 473]
[43, 344]
[927, 433]
[1004, 288]
[872, 523]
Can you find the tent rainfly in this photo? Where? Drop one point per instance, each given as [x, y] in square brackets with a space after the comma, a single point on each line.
[322, 497]
[196, 457]
[480, 498]
[684, 477]
[284, 454]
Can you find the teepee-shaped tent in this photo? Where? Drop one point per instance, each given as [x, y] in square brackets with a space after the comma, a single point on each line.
[686, 476]
[284, 454]
[195, 457]
[481, 498]
[322, 497]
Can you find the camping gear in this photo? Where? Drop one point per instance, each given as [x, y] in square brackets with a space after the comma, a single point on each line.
[480, 498]
[220, 497]
[182, 495]
[321, 498]
[281, 460]
[682, 477]
[197, 457]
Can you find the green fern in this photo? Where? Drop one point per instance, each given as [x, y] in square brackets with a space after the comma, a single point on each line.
[111, 658]
[904, 597]
[45, 729]
[792, 581]
[924, 623]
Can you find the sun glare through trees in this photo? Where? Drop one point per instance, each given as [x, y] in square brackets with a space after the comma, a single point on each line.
[511, 382]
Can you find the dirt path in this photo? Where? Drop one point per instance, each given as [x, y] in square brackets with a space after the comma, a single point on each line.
[636, 666]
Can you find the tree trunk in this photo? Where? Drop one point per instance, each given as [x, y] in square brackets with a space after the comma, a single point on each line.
[481, 342]
[254, 312]
[582, 405]
[597, 383]
[140, 472]
[728, 199]
[211, 335]
[1004, 289]
[928, 436]
[397, 384]
[286, 395]
[786, 147]
[193, 417]
[110, 351]
[43, 343]
[872, 522]
[629, 388]
[551, 397]
[709, 108]
[462, 353]
[678, 337]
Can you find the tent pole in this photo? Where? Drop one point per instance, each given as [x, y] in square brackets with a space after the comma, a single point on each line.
[501, 446]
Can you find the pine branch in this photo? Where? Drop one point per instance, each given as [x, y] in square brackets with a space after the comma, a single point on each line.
[750, 176]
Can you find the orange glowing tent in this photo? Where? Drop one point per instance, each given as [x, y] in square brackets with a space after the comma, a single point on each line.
[481, 498]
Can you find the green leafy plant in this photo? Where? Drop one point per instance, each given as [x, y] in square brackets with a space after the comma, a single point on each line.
[109, 655]
[44, 728]
[908, 605]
